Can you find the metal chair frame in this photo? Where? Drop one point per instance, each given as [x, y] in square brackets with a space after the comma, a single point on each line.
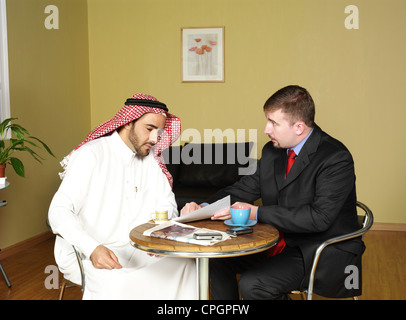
[5, 275]
[3, 204]
[366, 224]
[65, 282]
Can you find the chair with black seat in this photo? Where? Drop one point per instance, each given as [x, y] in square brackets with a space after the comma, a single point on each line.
[65, 282]
[366, 220]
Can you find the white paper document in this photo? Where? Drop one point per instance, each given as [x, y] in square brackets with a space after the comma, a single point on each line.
[205, 212]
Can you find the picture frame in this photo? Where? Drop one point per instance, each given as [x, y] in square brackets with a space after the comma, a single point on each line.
[202, 54]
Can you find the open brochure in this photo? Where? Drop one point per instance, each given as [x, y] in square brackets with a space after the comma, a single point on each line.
[205, 212]
[173, 230]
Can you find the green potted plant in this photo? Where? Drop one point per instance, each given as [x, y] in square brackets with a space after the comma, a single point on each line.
[21, 140]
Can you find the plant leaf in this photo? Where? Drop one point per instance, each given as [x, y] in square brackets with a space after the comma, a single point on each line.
[22, 141]
[31, 152]
[17, 132]
[44, 145]
[18, 166]
[19, 128]
[5, 125]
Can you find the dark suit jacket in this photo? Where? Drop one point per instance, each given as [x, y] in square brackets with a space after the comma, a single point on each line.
[317, 201]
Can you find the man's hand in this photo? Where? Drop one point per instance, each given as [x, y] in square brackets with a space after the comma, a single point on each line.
[223, 214]
[104, 258]
[190, 207]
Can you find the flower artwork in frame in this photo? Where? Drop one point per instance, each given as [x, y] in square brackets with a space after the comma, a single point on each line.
[203, 54]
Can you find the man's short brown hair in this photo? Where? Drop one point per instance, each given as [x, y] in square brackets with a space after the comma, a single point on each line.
[296, 102]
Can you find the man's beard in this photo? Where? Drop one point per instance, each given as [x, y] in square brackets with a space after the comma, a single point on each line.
[140, 151]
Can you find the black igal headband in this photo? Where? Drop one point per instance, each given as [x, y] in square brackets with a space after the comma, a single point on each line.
[146, 103]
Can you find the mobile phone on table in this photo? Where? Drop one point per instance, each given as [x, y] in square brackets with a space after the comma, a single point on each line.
[207, 236]
[235, 231]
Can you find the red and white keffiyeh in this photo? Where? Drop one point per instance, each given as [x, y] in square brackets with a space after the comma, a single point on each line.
[128, 114]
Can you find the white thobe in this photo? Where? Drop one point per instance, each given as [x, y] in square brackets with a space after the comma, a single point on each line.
[107, 191]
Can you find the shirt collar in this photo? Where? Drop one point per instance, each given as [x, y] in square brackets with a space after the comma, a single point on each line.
[300, 145]
[121, 147]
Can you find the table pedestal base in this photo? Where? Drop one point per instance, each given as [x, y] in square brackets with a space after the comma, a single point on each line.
[202, 265]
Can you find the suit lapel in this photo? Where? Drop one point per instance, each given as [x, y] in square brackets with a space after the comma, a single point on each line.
[300, 164]
[280, 167]
[302, 160]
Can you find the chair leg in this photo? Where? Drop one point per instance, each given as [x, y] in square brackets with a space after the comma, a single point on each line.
[5, 276]
[62, 290]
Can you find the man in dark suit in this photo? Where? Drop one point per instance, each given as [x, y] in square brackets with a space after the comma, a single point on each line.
[313, 201]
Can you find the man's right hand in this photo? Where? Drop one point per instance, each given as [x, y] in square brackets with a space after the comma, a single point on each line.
[104, 258]
[190, 207]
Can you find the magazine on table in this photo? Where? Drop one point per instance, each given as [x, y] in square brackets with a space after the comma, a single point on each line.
[176, 231]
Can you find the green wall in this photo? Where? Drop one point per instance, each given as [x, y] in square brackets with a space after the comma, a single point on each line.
[49, 94]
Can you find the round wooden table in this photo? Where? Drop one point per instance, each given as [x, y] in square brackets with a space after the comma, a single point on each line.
[262, 238]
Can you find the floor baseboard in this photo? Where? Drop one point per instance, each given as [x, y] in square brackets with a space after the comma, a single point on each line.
[25, 244]
[382, 226]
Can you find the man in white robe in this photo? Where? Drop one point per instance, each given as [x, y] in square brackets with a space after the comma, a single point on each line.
[113, 182]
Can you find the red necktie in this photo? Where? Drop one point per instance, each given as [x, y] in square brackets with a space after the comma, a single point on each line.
[291, 159]
[281, 243]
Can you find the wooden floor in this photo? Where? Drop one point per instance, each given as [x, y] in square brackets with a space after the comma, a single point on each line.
[384, 270]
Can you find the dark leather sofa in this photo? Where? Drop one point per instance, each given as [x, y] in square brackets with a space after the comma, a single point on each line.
[200, 170]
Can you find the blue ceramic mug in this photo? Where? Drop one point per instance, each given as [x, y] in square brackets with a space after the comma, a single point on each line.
[240, 215]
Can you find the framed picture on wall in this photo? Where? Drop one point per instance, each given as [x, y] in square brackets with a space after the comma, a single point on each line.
[203, 54]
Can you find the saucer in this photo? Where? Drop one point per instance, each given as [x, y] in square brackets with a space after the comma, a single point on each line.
[157, 222]
[249, 224]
